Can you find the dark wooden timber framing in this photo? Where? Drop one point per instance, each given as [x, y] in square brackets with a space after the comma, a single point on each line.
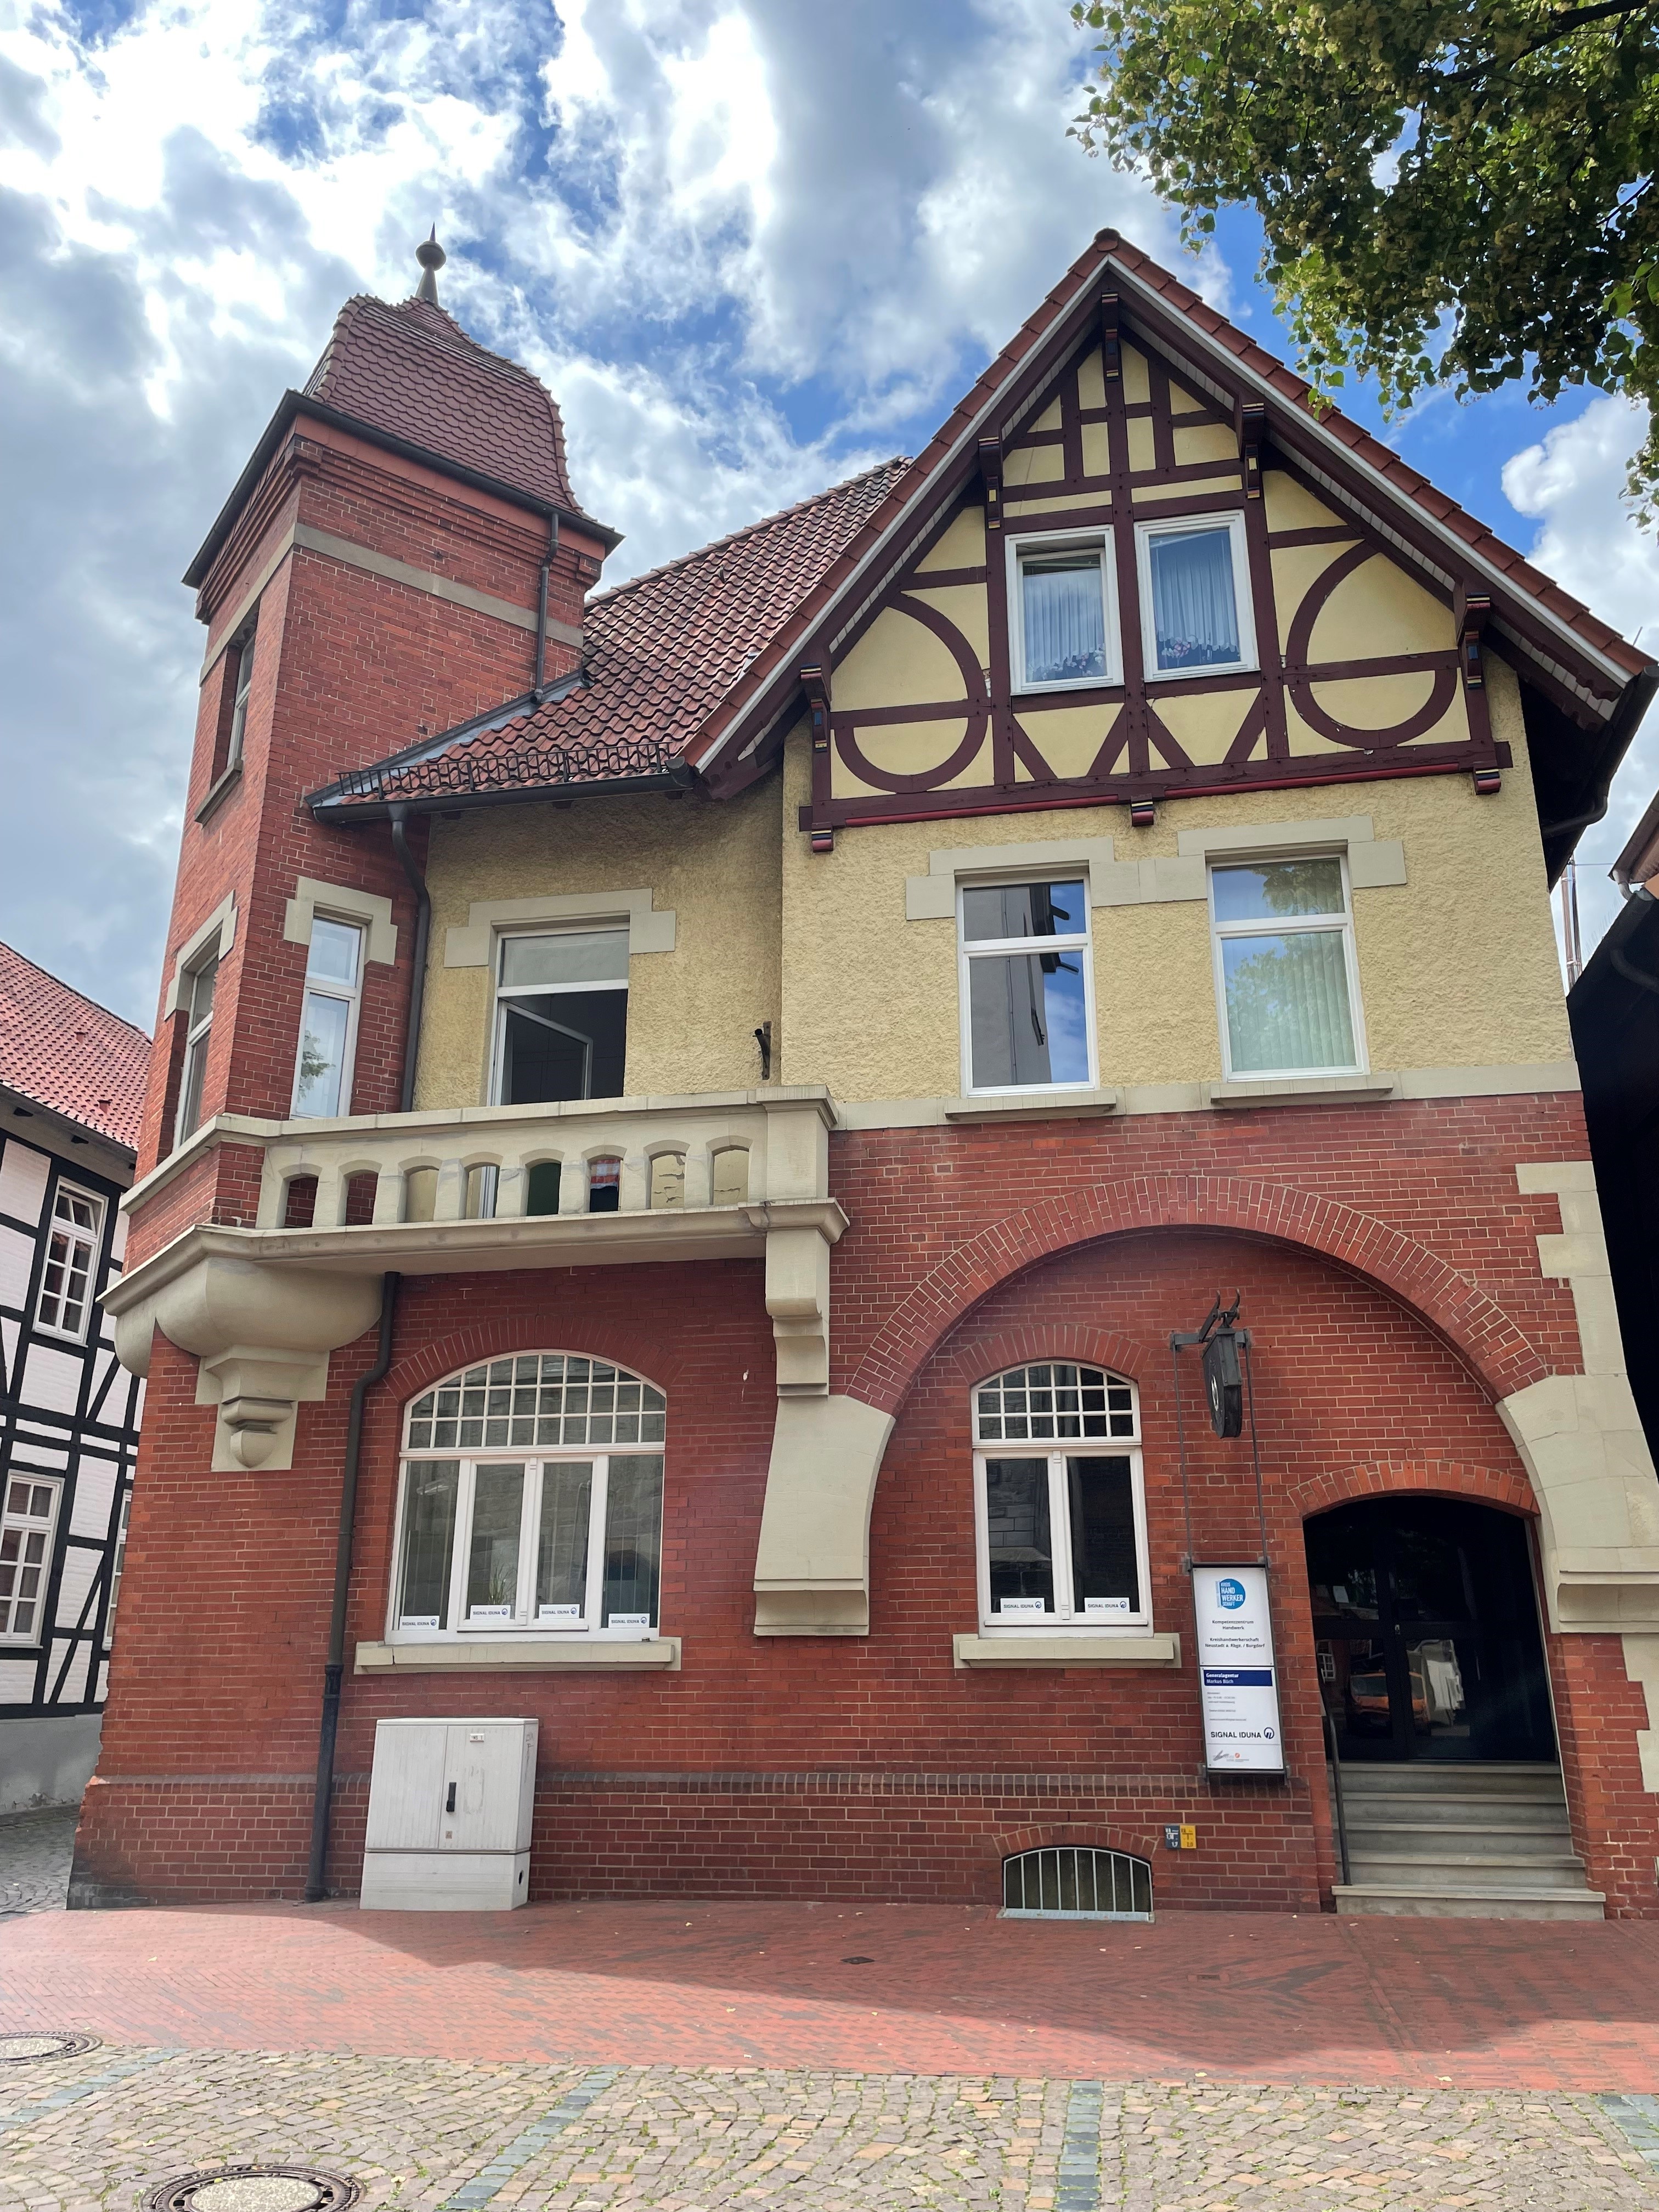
[1139, 757]
[1591, 711]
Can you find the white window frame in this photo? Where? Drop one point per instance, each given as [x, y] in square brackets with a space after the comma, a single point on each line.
[198, 1037]
[600, 925]
[1281, 927]
[535, 1458]
[523, 1622]
[117, 1562]
[244, 648]
[1183, 526]
[91, 1240]
[1001, 947]
[1062, 541]
[324, 986]
[1057, 1450]
[27, 1638]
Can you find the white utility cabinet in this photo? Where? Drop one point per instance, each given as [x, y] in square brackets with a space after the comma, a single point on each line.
[449, 1811]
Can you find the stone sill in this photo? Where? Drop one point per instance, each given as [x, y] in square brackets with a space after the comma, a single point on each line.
[1033, 1106]
[512, 1655]
[1144, 1650]
[1314, 1090]
[232, 776]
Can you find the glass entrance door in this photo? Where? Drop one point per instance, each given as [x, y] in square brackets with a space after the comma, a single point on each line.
[1427, 1629]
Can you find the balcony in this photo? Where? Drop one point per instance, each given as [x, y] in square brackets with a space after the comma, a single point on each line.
[595, 1182]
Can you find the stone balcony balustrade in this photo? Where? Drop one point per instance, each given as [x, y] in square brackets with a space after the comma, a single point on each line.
[592, 1182]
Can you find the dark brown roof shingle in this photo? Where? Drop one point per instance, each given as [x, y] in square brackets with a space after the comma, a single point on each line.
[410, 370]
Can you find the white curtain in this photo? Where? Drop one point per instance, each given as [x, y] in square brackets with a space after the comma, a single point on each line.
[1193, 611]
[1065, 622]
[1287, 1002]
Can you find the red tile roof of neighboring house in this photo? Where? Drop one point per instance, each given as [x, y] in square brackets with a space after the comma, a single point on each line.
[68, 1054]
[660, 651]
[413, 371]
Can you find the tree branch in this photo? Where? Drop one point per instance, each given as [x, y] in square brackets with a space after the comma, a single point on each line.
[1573, 19]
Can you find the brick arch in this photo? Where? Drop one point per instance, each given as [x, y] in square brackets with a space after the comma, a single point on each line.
[1089, 1833]
[1506, 1488]
[1480, 1334]
[498, 1340]
[978, 1357]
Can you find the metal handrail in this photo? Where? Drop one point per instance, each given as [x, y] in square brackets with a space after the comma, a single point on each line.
[1336, 1792]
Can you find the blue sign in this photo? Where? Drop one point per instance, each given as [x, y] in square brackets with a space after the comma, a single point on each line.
[1238, 1678]
[1229, 1592]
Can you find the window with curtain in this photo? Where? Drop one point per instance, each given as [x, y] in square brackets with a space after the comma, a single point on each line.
[1062, 628]
[531, 1502]
[1284, 949]
[1192, 590]
[1024, 956]
[1059, 1501]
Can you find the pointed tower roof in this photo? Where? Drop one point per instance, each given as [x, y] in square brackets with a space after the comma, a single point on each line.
[410, 377]
[411, 369]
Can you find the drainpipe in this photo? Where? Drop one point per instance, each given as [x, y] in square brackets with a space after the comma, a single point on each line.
[417, 980]
[334, 1668]
[540, 685]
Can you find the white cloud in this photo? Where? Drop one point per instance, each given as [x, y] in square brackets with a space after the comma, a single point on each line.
[1573, 481]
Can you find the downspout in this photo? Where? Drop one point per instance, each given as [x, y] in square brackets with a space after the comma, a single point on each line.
[334, 1668]
[417, 980]
[540, 684]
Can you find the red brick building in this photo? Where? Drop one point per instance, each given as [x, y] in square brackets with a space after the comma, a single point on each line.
[686, 1117]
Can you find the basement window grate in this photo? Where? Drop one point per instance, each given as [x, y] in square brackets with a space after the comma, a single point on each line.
[1076, 1884]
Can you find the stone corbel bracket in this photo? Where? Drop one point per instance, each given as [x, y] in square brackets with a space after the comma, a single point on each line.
[812, 1566]
[261, 1336]
[1581, 1438]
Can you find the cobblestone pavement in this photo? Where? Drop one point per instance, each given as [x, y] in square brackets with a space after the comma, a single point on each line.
[35, 1860]
[93, 2133]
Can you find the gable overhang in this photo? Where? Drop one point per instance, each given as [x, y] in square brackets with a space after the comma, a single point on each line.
[1604, 698]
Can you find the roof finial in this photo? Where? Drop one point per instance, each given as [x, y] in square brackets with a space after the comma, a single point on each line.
[432, 257]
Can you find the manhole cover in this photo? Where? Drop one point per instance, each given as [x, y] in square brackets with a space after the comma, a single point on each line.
[14, 2049]
[254, 2189]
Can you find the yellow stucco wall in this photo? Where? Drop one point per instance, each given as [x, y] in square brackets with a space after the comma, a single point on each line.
[1457, 967]
[692, 1012]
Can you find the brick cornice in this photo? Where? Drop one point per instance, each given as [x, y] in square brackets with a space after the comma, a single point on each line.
[1472, 1324]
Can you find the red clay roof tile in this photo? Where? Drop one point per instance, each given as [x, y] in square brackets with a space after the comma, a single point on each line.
[69, 1054]
[661, 650]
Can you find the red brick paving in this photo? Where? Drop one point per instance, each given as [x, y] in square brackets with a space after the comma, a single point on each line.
[950, 1991]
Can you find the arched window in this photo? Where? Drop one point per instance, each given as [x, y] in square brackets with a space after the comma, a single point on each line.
[1059, 1500]
[530, 1503]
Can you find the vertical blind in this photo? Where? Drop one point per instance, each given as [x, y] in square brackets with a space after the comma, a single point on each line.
[1287, 1001]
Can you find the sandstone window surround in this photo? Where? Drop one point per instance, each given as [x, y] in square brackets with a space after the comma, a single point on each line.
[650, 929]
[1372, 863]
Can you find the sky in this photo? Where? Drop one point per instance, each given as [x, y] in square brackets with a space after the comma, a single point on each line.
[752, 246]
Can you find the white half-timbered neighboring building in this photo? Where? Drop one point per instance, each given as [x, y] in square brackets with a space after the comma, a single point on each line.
[71, 1092]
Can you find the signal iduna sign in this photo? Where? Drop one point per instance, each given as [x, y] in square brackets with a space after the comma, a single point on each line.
[1238, 1681]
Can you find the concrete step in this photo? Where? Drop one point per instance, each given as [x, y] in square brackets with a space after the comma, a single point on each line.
[1438, 1779]
[1462, 1904]
[1421, 1837]
[1399, 1870]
